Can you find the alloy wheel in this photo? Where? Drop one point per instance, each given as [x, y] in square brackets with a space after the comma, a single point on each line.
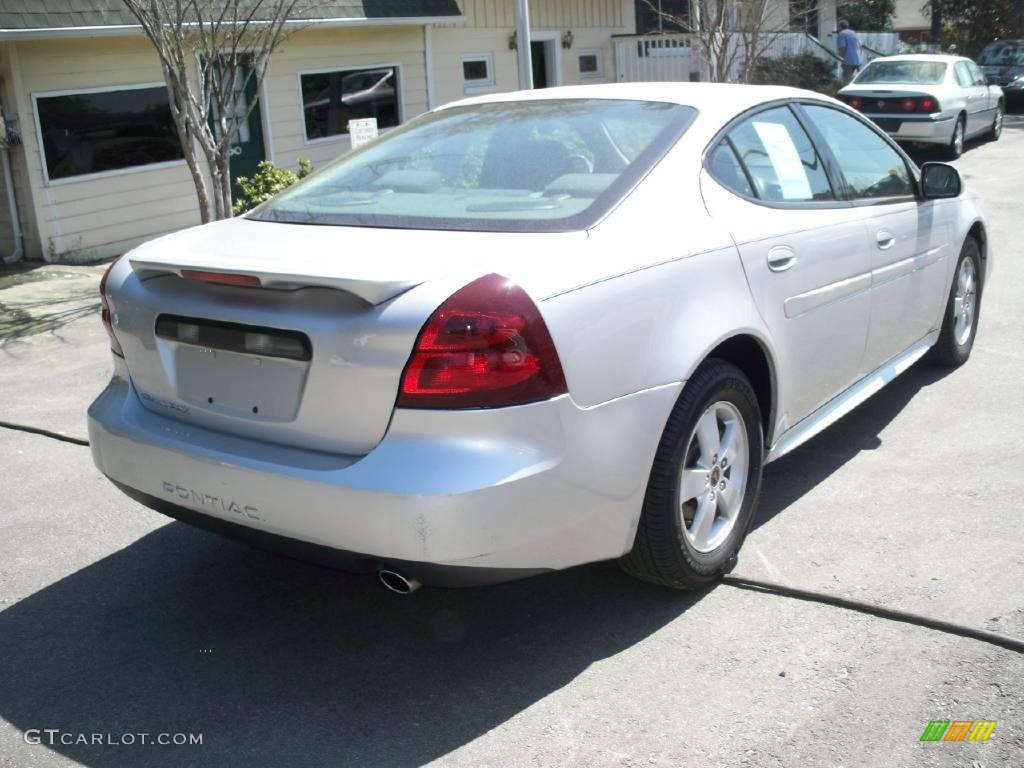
[713, 478]
[964, 302]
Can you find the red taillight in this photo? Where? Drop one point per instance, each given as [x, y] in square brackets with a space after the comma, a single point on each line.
[220, 278]
[908, 105]
[486, 346]
[855, 102]
[928, 105]
[105, 317]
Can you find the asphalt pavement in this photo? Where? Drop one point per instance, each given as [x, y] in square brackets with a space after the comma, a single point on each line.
[115, 621]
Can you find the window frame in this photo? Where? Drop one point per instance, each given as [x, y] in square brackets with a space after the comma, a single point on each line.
[844, 197]
[484, 85]
[399, 98]
[47, 181]
[598, 54]
[828, 161]
[848, 195]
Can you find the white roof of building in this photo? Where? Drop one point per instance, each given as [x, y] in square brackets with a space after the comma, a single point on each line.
[930, 57]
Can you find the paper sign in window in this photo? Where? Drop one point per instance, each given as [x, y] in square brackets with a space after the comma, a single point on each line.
[785, 159]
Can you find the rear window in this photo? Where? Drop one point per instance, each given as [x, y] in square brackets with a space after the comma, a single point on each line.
[913, 72]
[529, 166]
[1003, 54]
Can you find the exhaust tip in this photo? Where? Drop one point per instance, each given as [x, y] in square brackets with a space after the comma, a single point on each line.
[396, 582]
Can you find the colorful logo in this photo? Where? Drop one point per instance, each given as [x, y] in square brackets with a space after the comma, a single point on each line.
[958, 730]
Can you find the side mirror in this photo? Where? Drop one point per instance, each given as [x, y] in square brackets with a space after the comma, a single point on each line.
[939, 180]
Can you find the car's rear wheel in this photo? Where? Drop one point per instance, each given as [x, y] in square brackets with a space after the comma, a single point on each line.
[960, 322]
[997, 123]
[704, 485]
[956, 142]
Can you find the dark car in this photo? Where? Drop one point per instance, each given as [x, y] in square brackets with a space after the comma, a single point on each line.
[1002, 62]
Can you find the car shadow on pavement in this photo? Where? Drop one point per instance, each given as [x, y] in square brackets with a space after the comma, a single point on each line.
[795, 474]
[277, 662]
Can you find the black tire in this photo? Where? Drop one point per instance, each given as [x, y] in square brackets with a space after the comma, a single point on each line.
[949, 351]
[662, 553]
[956, 148]
[997, 123]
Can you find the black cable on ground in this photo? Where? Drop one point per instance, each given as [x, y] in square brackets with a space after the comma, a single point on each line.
[754, 585]
[44, 433]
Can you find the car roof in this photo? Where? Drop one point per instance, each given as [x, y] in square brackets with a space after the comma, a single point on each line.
[716, 100]
[941, 57]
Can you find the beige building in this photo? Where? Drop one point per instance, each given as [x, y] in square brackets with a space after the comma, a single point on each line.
[910, 19]
[94, 164]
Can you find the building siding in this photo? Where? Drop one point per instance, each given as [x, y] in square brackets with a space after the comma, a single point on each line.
[490, 23]
[91, 219]
[86, 219]
[322, 49]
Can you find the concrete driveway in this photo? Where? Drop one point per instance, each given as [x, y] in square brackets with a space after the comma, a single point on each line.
[115, 621]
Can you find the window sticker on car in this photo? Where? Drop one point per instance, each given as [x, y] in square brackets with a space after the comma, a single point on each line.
[785, 159]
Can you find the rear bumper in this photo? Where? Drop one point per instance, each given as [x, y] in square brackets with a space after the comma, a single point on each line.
[921, 128]
[519, 490]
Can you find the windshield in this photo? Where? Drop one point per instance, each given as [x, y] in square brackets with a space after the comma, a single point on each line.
[529, 166]
[1005, 54]
[921, 72]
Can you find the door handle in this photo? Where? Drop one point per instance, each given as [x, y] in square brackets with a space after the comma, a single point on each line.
[886, 240]
[781, 258]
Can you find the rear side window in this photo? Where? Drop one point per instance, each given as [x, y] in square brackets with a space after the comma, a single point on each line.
[780, 158]
[869, 164]
[725, 166]
[963, 74]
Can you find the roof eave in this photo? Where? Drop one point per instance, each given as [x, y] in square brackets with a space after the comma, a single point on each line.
[134, 29]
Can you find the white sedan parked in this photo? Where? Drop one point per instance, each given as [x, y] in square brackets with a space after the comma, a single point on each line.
[533, 330]
[928, 99]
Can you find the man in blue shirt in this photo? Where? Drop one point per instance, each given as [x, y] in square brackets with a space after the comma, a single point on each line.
[849, 49]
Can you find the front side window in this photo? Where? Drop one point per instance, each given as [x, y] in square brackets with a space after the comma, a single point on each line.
[533, 166]
[331, 99]
[869, 164]
[103, 131]
[911, 72]
[780, 158]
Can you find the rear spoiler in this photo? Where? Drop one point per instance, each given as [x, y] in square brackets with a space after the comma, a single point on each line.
[370, 291]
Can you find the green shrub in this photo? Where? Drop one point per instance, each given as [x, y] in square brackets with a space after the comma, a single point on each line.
[267, 182]
[803, 71]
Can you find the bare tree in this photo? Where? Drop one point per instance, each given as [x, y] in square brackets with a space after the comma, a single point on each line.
[210, 51]
[731, 35]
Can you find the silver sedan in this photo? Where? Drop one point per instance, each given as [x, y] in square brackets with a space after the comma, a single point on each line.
[528, 331]
[928, 99]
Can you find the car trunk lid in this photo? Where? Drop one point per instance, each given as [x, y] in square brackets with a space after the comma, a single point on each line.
[313, 355]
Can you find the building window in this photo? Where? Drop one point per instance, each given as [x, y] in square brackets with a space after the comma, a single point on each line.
[803, 16]
[662, 16]
[331, 99]
[88, 132]
[591, 65]
[478, 71]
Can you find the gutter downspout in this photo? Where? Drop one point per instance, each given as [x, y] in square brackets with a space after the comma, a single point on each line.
[524, 55]
[12, 204]
[428, 55]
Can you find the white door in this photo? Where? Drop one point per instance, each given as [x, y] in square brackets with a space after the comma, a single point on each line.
[906, 237]
[803, 251]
